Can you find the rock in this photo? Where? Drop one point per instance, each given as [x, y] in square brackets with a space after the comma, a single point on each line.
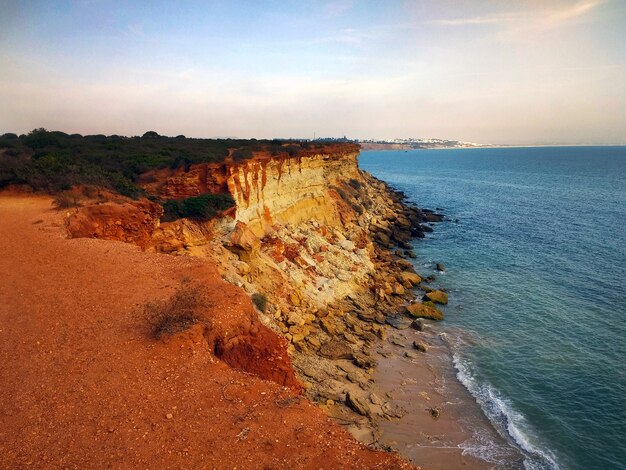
[418, 325]
[367, 315]
[410, 254]
[243, 238]
[410, 277]
[437, 296]
[336, 350]
[422, 310]
[328, 326]
[398, 289]
[295, 319]
[383, 239]
[313, 341]
[375, 399]
[347, 245]
[357, 405]
[398, 341]
[364, 361]
[435, 412]
[426, 228]
[420, 345]
[440, 267]
[405, 265]
[411, 355]
[399, 322]
[430, 278]
[298, 338]
[295, 298]
[432, 217]
[344, 276]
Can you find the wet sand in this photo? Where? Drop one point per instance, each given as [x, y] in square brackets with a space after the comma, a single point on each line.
[461, 436]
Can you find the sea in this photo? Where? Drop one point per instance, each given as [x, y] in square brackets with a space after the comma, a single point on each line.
[534, 245]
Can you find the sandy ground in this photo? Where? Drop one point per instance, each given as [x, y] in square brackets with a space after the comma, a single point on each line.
[83, 386]
[461, 436]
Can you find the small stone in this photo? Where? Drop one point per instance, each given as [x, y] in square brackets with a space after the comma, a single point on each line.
[411, 355]
[418, 325]
[435, 412]
[420, 346]
[397, 341]
[169, 416]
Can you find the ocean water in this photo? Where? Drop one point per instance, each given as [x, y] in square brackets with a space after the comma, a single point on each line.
[536, 270]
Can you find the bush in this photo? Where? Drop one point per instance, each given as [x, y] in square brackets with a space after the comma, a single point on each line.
[66, 200]
[259, 301]
[242, 154]
[203, 207]
[178, 313]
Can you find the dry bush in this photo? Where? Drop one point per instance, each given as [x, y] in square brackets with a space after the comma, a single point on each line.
[67, 200]
[178, 313]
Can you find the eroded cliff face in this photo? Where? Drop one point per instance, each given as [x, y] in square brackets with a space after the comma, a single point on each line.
[289, 191]
[324, 243]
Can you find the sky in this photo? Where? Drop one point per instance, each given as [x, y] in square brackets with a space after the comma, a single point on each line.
[488, 71]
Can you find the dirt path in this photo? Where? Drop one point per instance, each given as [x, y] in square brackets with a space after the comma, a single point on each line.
[83, 386]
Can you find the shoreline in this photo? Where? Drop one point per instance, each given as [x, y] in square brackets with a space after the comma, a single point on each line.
[418, 383]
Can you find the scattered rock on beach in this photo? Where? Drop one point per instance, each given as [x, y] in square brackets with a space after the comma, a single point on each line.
[417, 325]
[424, 310]
[336, 350]
[437, 296]
[420, 346]
[399, 322]
[357, 405]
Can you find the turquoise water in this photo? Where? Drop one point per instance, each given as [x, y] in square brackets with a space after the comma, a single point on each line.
[536, 269]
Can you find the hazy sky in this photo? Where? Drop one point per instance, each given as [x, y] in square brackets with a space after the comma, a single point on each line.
[492, 71]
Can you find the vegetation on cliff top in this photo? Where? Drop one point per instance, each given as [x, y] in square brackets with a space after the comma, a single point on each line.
[54, 161]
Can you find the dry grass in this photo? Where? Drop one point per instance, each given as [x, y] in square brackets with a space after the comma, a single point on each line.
[67, 200]
[178, 313]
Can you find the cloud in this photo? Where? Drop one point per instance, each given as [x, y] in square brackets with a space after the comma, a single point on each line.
[337, 7]
[535, 19]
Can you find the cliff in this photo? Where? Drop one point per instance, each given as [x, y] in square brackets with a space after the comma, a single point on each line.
[323, 242]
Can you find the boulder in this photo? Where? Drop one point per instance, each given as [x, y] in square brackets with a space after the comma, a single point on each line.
[364, 361]
[420, 346]
[399, 322]
[436, 296]
[357, 405]
[242, 238]
[382, 239]
[336, 350]
[440, 267]
[410, 277]
[417, 325]
[422, 310]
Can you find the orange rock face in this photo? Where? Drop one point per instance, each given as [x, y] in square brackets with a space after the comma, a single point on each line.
[132, 222]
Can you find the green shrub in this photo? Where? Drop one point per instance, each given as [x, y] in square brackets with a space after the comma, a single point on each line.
[259, 301]
[203, 207]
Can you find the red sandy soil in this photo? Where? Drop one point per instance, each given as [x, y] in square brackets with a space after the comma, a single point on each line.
[82, 384]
